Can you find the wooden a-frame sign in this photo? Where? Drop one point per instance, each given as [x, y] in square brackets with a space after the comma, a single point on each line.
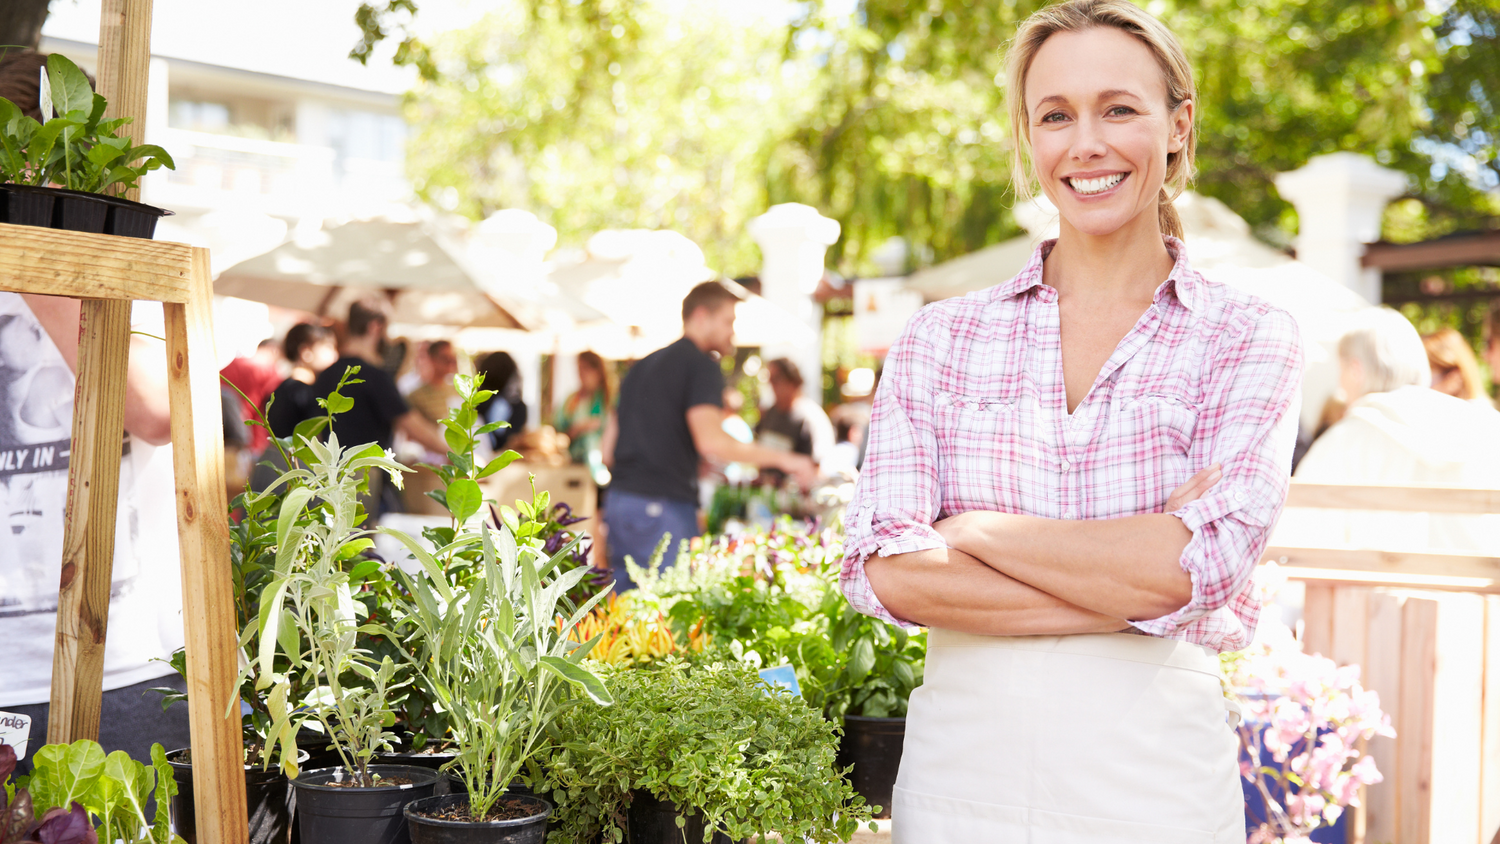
[108, 273]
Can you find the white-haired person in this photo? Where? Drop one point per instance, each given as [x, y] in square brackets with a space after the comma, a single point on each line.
[1397, 431]
[1071, 477]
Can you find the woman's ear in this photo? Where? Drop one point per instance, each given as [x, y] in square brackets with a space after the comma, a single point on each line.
[1182, 126]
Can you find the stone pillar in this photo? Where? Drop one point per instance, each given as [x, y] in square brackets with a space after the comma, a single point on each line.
[1340, 199]
[793, 239]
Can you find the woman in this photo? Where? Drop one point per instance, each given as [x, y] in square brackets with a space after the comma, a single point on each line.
[503, 376]
[310, 349]
[582, 416]
[1455, 369]
[1095, 448]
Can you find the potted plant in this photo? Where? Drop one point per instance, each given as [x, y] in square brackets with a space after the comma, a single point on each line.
[269, 796]
[74, 786]
[710, 744]
[81, 153]
[491, 649]
[313, 620]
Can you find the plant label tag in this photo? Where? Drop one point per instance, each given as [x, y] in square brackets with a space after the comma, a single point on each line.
[15, 730]
[782, 676]
[45, 97]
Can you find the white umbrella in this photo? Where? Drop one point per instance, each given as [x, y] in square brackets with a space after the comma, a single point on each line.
[413, 263]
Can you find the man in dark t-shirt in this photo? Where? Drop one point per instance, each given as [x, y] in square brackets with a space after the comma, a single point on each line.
[379, 410]
[667, 420]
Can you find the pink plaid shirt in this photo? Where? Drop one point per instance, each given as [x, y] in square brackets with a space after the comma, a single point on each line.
[972, 415]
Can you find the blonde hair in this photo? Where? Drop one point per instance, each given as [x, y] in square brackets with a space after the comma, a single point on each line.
[1080, 15]
[1447, 350]
[1389, 351]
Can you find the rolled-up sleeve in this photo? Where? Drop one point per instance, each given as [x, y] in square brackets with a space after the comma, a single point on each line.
[897, 497]
[1248, 425]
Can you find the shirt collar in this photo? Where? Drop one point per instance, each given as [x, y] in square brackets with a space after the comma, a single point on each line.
[1183, 281]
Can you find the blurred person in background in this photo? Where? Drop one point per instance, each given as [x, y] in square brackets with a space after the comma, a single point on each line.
[502, 375]
[435, 394]
[1397, 432]
[793, 422]
[1455, 369]
[379, 410]
[38, 359]
[670, 418]
[1492, 348]
[583, 414]
[417, 370]
[311, 349]
[253, 379]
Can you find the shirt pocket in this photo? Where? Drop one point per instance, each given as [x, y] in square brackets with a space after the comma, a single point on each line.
[1151, 440]
[979, 439]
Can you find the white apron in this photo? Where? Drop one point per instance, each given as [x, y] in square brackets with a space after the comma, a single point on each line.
[1089, 739]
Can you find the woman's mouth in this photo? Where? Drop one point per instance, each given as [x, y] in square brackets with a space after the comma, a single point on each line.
[1097, 185]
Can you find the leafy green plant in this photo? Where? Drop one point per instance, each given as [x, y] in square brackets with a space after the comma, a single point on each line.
[715, 740]
[72, 786]
[312, 617]
[77, 149]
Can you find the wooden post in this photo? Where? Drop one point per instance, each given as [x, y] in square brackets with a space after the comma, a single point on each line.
[89, 525]
[1489, 807]
[1382, 673]
[124, 64]
[1419, 629]
[207, 594]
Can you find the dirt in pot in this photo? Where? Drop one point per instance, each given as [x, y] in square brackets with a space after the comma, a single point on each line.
[380, 783]
[507, 808]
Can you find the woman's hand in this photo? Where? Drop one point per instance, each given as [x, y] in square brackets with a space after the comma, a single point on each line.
[1194, 489]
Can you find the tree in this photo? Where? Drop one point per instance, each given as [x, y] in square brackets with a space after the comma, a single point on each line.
[21, 22]
[614, 116]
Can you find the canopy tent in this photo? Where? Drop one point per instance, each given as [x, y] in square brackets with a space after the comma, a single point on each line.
[1220, 246]
[415, 264]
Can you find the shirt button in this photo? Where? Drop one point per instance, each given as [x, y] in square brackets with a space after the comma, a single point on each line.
[1066, 465]
[1067, 514]
[1239, 496]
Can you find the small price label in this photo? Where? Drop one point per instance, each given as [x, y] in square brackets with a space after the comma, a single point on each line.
[783, 676]
[14, 731]
[45, 96]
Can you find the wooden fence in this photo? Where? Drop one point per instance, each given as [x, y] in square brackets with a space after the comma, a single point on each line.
[1425, 628]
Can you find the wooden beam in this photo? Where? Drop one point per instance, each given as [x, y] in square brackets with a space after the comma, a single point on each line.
[1480, 570]
[1412, 499]
[1489, 783]
[125, 64]
[1457, 251]
[1317, 619]
[1382, 674]
[1419, 624]
[1457, 719]
[92, 266]
[1336, 577]
[207, 594]
[89, 523]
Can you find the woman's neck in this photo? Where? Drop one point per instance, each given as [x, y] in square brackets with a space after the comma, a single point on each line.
[1128, 263]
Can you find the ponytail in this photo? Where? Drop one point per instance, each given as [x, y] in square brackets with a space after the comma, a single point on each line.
[1166, 215]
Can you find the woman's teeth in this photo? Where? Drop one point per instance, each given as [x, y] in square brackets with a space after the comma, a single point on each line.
[1099, 185]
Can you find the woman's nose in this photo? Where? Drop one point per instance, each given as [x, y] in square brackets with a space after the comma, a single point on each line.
[1088, 140]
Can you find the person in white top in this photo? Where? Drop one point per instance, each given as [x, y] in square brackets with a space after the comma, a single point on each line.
[1398, 431]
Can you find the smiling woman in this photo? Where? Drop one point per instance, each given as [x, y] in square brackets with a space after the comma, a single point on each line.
[1071, 476]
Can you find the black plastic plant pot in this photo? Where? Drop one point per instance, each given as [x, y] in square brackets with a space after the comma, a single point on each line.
[128, 218]
[873, 747]
[429, 828]
[76, 211]
[654, 821]
[269, 797]
[28, 206]
[328, 813]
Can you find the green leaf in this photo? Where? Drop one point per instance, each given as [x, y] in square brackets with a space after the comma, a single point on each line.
[70, 88]
[580, 677]
[862, 659]
[338, 403]
[499, 462]
[464, 499]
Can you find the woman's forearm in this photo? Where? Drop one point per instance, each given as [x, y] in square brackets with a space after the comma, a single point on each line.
[950, 589]
[1124, 568]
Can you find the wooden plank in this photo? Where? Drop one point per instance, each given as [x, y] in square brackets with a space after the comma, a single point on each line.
[1351, 621]
[1419, 622]
[1457, 694]
[89, 522]
[1489, 778]
[92, 266]
[1416, 499]
[1335, 577]
[1477, 568]
[208, 598]
[125, 64]
[1317, 619]
[1381, 673]
[1463, 250]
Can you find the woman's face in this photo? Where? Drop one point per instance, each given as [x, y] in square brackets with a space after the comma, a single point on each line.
[320, 355]
[589, 378]
[1100, 128]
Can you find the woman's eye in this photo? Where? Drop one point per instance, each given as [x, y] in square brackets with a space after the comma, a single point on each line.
[1054, 117]
[1120, 110]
